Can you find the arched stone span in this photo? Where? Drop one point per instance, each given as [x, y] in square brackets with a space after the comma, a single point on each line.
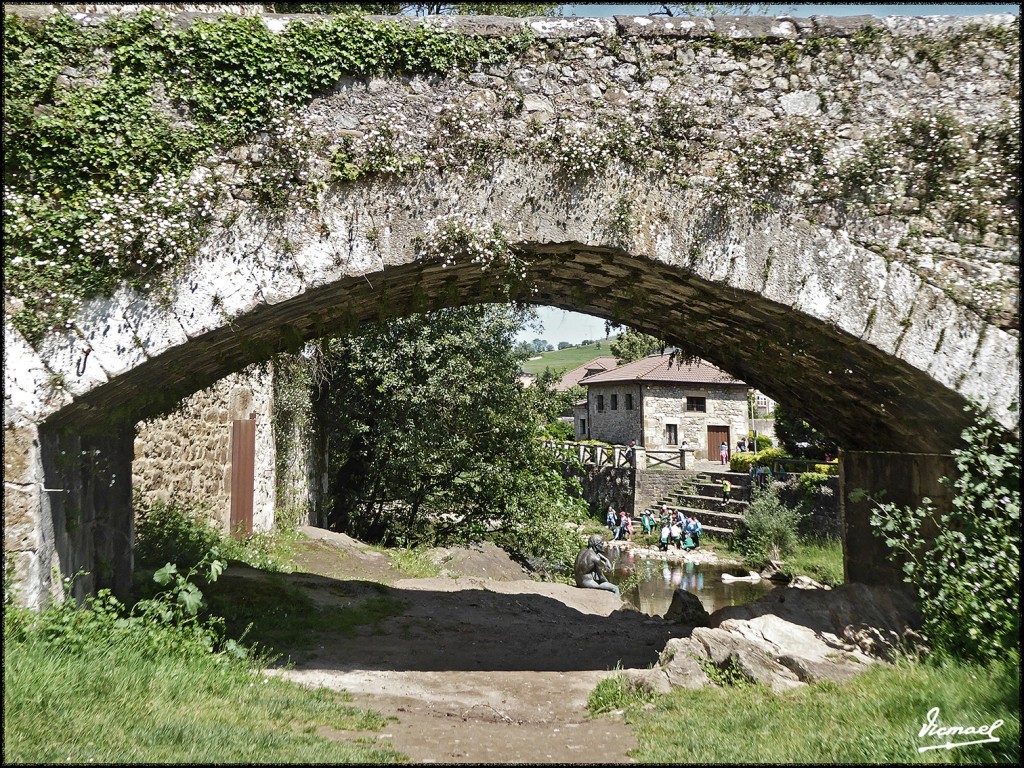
[814, 305]
[863, 347]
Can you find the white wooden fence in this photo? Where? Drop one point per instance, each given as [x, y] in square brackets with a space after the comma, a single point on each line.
[602, 455]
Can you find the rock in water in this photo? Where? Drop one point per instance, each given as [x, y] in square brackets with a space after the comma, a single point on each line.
[686, 608]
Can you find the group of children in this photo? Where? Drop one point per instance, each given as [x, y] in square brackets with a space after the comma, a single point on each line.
[620, 523]
[675, 527]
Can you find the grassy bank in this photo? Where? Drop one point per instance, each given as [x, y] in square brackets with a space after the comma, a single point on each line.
[873, 718]
[106, 696]
[821, 559]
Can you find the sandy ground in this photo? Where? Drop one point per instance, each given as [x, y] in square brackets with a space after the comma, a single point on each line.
[484, 665]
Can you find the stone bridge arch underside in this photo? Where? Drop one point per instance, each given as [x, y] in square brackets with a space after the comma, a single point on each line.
[861, 344]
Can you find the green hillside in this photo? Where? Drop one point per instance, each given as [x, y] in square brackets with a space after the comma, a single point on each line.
[562, 360]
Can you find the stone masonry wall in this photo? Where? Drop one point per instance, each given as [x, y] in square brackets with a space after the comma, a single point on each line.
[665, 404]
[586, 74]
[607, 485]
[619, 425]
[652, 485]
[186, 455]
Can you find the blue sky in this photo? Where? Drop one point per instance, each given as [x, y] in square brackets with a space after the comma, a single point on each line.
[573, 327]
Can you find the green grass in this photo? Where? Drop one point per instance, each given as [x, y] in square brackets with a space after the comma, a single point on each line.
[109, 701]
[562, 360]
[412, 563]
[821, 559]
[874, 718]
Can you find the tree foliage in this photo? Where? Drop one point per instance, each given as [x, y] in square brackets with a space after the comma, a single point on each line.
[633, 345]
[968, 575]
[799, 438]
[433, 441]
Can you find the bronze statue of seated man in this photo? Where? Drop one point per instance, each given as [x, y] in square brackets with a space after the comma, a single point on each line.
[589, 563]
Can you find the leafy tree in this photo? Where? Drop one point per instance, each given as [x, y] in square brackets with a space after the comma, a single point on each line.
[564, 345]
[799, 438]
[433, 441]
[965, 564]
[540, 345]
[632, 345]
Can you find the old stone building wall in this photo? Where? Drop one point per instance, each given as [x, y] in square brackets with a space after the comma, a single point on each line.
[616, 425]
[665, 404]
[185, 456]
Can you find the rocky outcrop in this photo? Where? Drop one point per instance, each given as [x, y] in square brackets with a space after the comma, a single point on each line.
[791, 637]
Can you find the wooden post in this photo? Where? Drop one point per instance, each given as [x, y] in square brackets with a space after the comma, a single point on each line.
[243, 475]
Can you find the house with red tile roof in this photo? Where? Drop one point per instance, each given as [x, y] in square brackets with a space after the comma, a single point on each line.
[665, 404]
[598, 365]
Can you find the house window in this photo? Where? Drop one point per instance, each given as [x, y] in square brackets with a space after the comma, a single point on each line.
[629, 402]
[583, 427]
[672, 434]
[600, 403]
[615, 402]
[697, 404]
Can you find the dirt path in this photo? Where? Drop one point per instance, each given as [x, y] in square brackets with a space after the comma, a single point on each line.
[487, 668]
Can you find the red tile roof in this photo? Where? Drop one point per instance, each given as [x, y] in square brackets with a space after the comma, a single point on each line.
[658, 368]
[573, 377]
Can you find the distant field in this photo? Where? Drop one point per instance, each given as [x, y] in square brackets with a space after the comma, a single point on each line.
[566, 359]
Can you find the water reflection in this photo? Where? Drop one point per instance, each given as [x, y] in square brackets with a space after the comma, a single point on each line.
[660, 579]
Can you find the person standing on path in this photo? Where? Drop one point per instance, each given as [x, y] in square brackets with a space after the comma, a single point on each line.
[625, 526]
[723, 452]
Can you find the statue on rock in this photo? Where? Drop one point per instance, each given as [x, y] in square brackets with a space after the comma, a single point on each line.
[589, 563]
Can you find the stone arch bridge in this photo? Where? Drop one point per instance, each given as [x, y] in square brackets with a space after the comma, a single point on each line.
[737, 232]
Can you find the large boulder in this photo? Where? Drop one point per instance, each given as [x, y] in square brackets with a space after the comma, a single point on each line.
[791, 637]
[688, 660]
[834, 616]
[686, 608]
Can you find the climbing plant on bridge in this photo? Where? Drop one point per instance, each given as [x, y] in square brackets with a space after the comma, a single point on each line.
[110, 132]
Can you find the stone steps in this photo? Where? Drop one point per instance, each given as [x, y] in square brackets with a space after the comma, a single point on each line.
[701, 497]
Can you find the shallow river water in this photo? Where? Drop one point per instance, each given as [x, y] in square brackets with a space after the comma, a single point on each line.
[660, 579]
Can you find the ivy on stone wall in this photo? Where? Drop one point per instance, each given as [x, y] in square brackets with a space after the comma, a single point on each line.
[111, 131]
[124, 141]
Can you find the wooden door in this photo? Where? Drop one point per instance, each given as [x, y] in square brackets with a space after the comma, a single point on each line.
[716, 436]
[243, 475]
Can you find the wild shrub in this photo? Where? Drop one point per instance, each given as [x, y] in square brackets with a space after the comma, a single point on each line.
[742, 462]
[967, 576]
[810, 482]
[171, 532]
[769, 530]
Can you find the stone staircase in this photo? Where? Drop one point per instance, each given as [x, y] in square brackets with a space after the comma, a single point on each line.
[701, 497]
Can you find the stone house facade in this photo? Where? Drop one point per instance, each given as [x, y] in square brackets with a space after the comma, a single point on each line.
[664, 405]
